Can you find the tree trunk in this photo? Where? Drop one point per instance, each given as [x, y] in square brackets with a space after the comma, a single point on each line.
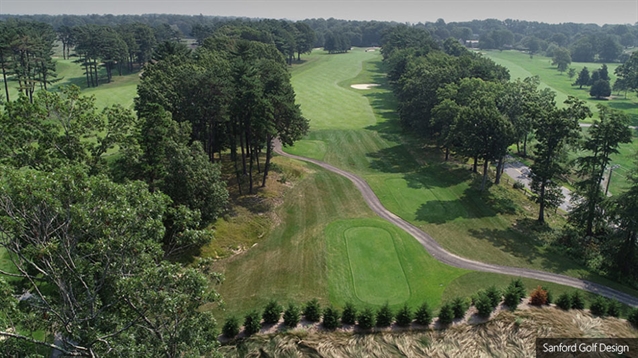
[475, 166]
[268, 155]
[257, 152]
[499, 170]
[525, 146]
[484, 174]
[4, 78]
[541, 210]
[447, 154]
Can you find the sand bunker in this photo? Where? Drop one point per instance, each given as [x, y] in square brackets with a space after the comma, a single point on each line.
[364, 86]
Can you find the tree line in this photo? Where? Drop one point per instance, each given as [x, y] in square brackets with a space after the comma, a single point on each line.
[465, 105]
[96, 204]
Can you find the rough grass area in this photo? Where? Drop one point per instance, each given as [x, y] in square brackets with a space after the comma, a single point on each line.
[509, 334]
[370, 262]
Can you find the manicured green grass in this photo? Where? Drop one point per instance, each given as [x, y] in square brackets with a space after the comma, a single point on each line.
[521, 66]
[371, 261]
[122, 90]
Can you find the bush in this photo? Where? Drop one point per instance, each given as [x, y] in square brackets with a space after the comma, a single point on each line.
[331, 318]
[252, 323]
[272, 312]
[633, 317]
[613, 308]
[312, 311]
[564, 301]
[483, 305]
[446, 314]
[550, 297]
[423, 315]
[599, 306]
[349, 315]
[578, 303]
[519, 185]
[459, 307]
[366, 318]
[404, 316]
[292, 315]
[512, 297]
[384, 316]
[495, 295]
[231, 327]
[518, 286]
[538, 297]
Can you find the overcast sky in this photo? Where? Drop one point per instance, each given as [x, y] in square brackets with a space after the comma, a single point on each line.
[552, 11]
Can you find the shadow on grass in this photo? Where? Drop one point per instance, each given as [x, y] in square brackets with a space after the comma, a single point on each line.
[474, 204]
[524, 240]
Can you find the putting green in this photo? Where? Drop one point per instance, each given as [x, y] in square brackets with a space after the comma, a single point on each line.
[377, 274]
[370, 261]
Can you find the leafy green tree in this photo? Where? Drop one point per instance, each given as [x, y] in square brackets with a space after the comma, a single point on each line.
[571, 73]
[578, 302]
[609, 49]
[598, 306]
[312, 310]
[562, 59]
[555, 132]
[305, 38]
[331, 318]
[97, 249]
[384, 316]
[495, 295]
[632, 317]
[604, 138]
[292, 315]
[600, 88]
[613, 308]
[583, 50]
[624, 228]
[349, 314]
[583, 78]
[404, 316]
[483, 305]
[564, 301]
[272, 312]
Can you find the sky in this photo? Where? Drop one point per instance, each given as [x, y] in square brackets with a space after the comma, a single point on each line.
[550, 11]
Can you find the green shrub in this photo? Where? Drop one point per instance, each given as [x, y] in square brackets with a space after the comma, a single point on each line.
[349, 315]
[331, 318]
[519, 185]
[423, 315]
[384, 316]
[495, 295]
[633, 317]
[312, 311]
[578, 302]
[446, 314]
[459, 307]
[483, 305]
[599, 306]
[613, 308]
[512, 298]
[272, 312]
[366, 318]
[564, 301]
[404, 316]
[252, 323]
[231, 327]
[518, 286]
[292, 315]
[550, 297]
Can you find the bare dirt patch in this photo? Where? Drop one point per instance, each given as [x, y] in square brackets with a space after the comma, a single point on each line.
[364, 86]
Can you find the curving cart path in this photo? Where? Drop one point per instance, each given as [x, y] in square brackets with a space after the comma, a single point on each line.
[448, 258]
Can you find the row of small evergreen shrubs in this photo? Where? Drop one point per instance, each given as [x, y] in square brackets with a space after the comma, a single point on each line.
[485, 302]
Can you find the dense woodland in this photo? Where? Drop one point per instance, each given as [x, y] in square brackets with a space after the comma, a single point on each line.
[92, 235]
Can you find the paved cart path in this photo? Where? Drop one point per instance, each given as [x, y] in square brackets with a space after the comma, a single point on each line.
[448, 258]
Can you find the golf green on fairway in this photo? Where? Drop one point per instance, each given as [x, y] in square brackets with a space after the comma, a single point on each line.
[372, 262]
